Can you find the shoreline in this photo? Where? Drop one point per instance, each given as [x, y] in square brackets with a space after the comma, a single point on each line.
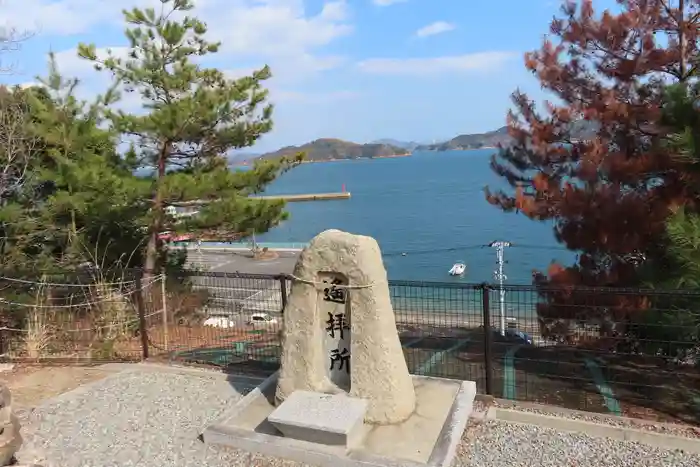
[392, 156]
[235, 247]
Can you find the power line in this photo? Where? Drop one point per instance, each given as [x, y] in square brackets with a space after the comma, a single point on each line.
[434, 250]
[539, 247]
[471, 247]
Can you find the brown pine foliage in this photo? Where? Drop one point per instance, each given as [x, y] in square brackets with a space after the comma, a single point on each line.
[610, 195]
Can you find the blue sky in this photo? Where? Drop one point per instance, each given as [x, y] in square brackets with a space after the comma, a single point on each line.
[352, 69]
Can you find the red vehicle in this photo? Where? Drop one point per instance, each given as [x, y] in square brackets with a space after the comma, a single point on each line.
[171, 237]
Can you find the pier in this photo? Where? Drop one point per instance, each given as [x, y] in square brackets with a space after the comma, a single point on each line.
[308, 197]
[288, 198]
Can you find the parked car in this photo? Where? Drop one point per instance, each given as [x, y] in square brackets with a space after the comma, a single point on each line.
[219, 322]
[519, 336]
[512, 336]
[261, 319]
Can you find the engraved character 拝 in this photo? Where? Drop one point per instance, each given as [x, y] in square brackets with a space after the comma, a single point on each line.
[337, 323]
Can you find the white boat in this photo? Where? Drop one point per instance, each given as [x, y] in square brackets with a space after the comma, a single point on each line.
[458, 269]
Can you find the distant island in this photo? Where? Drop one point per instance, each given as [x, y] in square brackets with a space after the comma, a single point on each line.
[407, 145]
[329, 149]
[489, 139]
[581, 129]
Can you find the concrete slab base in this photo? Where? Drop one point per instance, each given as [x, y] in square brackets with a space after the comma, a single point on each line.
[333, 419]
[428, 438]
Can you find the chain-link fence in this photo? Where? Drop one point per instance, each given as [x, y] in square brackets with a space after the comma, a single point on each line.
[620, 351]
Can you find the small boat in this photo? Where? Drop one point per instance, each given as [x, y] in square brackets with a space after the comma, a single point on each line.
[458, 269]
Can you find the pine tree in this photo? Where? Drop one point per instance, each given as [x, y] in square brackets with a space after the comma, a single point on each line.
[681, 117]
[80, 200]
[674, 319]
[608, 196]
[193, 116]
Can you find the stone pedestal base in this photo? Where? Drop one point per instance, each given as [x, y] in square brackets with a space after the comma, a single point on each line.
[334, 420]
[429, 437]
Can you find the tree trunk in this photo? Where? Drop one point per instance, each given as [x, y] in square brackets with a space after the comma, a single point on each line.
[151, 260]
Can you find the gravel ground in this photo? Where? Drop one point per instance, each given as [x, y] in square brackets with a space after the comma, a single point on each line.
[148, 418]
[500, 444]
[686, 431]
[141, 418]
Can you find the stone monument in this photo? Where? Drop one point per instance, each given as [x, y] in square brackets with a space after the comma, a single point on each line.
[340, 332]
[343, 396]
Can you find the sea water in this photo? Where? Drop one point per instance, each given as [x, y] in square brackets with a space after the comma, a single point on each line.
[427, 211]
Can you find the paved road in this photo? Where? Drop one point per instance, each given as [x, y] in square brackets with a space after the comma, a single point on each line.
[238, 297]
[240, 261]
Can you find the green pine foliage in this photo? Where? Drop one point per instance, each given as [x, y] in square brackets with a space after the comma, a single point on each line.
[674, 318]
[78, 200]
[682, 118]
[192, 117]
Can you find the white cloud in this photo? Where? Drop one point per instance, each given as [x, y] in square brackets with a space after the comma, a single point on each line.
[63, 17]
[91, 81]
[387, 2]
[274, 28]
[281, 94]
[482, 61]
[438, 27]
[279, 32]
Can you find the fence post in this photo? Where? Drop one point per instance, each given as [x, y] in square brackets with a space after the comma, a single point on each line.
[142, 315]
[283, 290]
[164, 298]
[488, 338]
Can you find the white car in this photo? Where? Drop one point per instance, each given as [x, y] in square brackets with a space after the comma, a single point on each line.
[262, 319]
[220, 322]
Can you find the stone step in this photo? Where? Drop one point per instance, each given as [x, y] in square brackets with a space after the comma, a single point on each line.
[334, 420]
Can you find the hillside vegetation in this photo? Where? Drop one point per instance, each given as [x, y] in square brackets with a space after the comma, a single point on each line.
[579, 130]
[326, 149]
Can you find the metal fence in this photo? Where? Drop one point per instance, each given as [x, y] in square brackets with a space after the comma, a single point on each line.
[78, 317]
[619, 351]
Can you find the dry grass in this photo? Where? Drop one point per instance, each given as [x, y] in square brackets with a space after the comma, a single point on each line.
[103, 315]
[100, 321]
[38, 334]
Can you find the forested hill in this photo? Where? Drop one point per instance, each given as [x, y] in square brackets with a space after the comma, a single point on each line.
[581, 129]
[471, 141]
[327, 149]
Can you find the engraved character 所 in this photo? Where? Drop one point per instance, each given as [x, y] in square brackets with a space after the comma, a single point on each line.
[342, 357]
[335, 323]
[333, 293]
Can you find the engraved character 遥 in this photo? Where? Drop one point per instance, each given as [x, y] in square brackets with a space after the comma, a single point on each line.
[333, 293]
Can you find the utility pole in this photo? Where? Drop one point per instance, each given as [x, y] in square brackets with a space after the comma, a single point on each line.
[501, 277]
